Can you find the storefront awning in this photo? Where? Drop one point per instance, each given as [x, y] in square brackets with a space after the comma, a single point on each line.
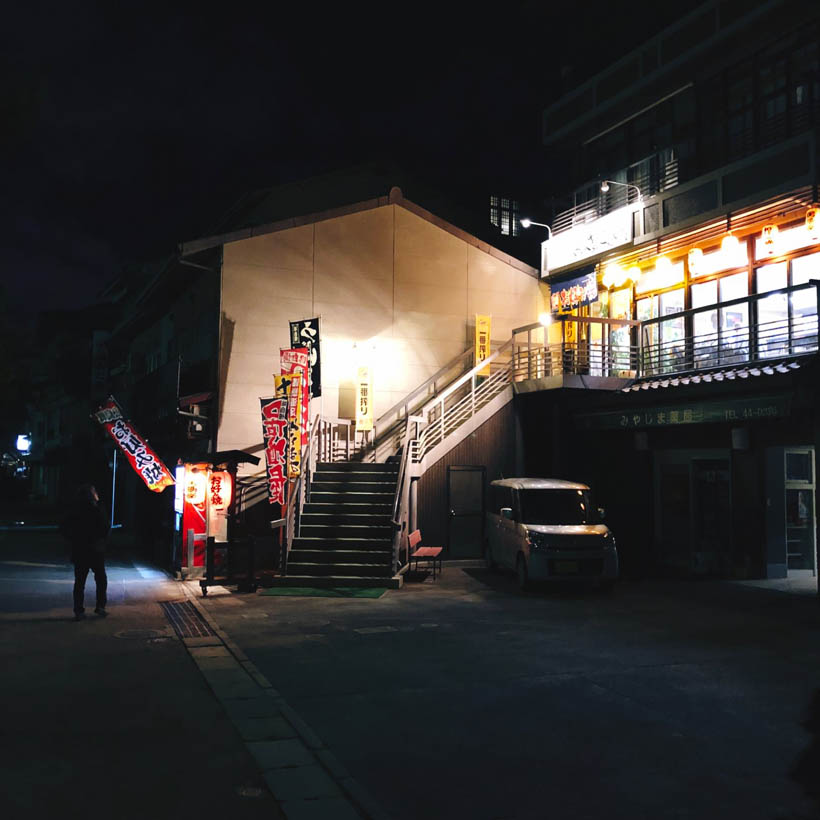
[750, 371]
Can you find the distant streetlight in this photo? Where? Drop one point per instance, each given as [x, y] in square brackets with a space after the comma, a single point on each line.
[607, 182]
[525, 223]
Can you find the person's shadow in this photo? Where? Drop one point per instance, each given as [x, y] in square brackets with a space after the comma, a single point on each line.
[806, 769]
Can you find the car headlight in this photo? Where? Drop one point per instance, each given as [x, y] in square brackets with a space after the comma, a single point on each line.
[537, 539]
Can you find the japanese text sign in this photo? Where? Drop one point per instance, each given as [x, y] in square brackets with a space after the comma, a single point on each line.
[574, 293]
[274, 434]
[297, 360]
[482, 342]
[305, 333]
[290, 388]
[364, 399]
[141, 457]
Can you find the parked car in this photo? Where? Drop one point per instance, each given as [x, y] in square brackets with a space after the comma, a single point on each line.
[547, 529]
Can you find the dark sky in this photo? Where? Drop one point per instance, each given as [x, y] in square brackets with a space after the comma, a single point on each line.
[125, 134]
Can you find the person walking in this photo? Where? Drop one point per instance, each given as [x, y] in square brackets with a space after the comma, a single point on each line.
[86, 529]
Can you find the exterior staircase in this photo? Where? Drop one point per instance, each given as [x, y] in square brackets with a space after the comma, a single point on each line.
[345, 533]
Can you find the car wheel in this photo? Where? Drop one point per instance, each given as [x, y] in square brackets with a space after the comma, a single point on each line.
[489, 561]
[522, 573]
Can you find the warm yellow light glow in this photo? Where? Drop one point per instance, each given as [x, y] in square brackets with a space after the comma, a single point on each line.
[545, 319]
[633, 273]
[813, 223]
[663, 265]
[221, 489]
[730, 244]
[769, 237]
[614, 276]
[695, 258]
[195, 485]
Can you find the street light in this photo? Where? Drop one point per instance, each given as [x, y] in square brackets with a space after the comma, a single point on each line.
[525, 223]
[607, 182]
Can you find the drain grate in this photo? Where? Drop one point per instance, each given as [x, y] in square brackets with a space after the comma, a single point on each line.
[186, 620]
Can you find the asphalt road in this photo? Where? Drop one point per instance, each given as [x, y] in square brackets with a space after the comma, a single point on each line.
[468, 699]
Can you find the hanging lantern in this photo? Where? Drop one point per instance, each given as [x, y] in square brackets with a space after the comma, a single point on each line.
[195, 485]
[769, 237]
[611, 276]
[633, 273]
[730, 244]
[813, 223]
[220, 488]
[695, 260]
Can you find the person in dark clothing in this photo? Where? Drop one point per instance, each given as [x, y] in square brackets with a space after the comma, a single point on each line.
[86, 528]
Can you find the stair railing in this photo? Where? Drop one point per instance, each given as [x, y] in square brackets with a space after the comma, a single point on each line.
[462, 400]
[388, 429]
[401, 499]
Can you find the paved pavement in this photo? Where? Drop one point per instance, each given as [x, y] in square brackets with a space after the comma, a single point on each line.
[130, 717]
[459, 698]
[465, 698]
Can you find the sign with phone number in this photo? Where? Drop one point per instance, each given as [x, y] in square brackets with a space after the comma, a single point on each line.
[735, 410]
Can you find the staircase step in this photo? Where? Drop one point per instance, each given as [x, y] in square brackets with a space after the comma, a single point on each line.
[333, 531]
[320, 556]
[342, 543]
[352, 486]
[357, 466]
[355, 475]
[319, 508]
[325, 570]
[318, 496]
[311, 518]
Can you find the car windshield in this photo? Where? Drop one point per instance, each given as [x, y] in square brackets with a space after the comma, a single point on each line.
[557, 507]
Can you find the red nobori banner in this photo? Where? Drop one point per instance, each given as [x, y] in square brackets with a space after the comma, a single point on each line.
[297, 360]
[143, 459]
[275, 435]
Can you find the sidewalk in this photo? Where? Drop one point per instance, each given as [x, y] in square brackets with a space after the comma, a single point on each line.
[112, 716]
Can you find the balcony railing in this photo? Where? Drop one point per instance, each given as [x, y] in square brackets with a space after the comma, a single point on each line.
[752, 329]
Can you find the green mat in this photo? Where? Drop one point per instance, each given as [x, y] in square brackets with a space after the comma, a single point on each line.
[333, 592]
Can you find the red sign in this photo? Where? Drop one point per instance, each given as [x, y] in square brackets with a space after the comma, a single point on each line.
[275, 435]
[141, 457]
[297, 360]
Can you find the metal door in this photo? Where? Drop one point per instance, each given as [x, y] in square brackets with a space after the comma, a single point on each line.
[465, 505]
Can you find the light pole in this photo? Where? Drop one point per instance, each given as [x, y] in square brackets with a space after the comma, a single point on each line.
[607, 182]
[525, 223]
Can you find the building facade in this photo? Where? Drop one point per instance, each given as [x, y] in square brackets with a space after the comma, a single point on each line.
[686, 269]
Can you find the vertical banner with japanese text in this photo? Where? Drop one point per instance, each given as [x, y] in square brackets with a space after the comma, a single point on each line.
[290, 388]
[482, 342]
[305, 333]
[297, 360]
[275, 436]
[145, 462]
[364, 399]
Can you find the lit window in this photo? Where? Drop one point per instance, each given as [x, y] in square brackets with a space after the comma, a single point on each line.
[504, 214]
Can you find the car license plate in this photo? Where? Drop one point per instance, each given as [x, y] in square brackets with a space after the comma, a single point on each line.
[566, 567]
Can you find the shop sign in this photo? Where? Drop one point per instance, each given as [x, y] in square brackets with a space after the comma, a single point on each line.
[297, 360]
[730, 410]
[145, 462]
[587, 240]
[305, 333]
[482, 342]
[274, 434]
[364, 399]
[574, 293]
[290, 388]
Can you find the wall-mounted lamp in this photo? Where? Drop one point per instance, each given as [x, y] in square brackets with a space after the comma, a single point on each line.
[769, 237]
[545, 319]
[607, 182]
[525, 223]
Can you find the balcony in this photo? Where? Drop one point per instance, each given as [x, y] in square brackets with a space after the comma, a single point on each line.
[737, 337]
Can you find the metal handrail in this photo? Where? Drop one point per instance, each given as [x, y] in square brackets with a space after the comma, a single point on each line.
[399, 513]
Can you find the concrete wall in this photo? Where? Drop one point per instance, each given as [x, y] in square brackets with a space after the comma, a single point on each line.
[388, 284]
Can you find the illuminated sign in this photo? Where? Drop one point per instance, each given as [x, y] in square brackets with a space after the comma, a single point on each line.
[587, 240]
[482, 342]
[364, 399]
[574, 293]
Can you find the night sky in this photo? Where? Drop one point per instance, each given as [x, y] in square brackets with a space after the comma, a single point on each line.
[125, 135]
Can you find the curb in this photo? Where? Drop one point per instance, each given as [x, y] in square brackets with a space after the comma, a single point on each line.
[364, 804]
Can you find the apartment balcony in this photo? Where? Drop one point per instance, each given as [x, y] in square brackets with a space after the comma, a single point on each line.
[763, 333]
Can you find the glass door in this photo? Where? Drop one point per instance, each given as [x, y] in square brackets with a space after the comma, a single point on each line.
[801, 548]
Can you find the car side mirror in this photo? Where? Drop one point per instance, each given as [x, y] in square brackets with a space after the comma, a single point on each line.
[506, 512]
[601, 513]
